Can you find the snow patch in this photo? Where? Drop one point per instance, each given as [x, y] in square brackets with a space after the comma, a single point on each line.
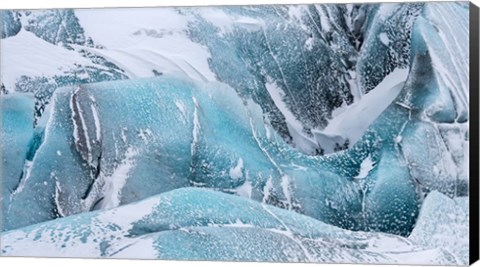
[196, 127]
[134, 46]
[26, 54]
[295, 127]
[96, 121]
[117, 180]
[245, 190]
[384, 38]
[182, 108]
[266, 190]
[237, 171]
[365, 167]
[285, 184]
[346, 124]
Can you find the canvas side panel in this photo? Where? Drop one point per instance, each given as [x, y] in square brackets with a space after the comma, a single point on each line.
[474, 146]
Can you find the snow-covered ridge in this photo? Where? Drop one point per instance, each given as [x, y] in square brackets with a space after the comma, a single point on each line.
[245, 101]
[179, 216]
[352, 121]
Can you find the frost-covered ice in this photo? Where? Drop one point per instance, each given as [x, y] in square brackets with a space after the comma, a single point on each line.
[199, 224]
[319, 133]
[346, 125]
[444, 222]
[16, 137]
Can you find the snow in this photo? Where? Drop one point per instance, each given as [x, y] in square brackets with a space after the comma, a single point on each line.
[347, 124]
[326, 27]
[182, 108]
[26, 174]
[80, 124]
[277, 95]
[83, 240]
[384, 38]
[19, 58]
[309, 43]
[96, 120]
[58, 191]
[237, 171]
[245, 190]
[266, 189]
[196, 127]
[134, 46]
[285, 184]
[141, 248]
[295, 127]
[120, 24]
[443, 223]
[117, 180]
[366, 166]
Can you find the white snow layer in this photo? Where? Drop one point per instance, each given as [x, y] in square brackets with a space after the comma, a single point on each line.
[135, 44]
[365, 168]
[237, 171]
[26, 54]
[357, 117]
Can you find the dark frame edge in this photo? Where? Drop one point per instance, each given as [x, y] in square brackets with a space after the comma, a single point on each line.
[474, 135]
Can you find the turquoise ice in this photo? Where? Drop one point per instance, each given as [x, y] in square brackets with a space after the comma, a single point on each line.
[291, 138]
[200, 224]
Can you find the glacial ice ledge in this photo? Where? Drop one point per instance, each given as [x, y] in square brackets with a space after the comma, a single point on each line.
[200, 224]
[91, 154]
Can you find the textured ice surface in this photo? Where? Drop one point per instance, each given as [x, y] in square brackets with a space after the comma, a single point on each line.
[173, 133]
[387, 34]
[10, 24]
[298, 77]
[245, 102]
[200, 224]
[441, 79]
[444, 222]
[16, 141]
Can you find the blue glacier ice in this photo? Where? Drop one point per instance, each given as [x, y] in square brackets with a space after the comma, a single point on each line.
[16, 135]
[200, 224]
[436, 148]
[174, 133]
[320, 62]
[387, 32]
[352, 119]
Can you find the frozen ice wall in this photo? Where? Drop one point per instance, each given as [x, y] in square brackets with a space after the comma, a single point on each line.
[199, 224]
[16, 141]
[352, 119]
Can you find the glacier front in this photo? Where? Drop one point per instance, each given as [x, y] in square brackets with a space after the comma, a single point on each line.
[302, 133]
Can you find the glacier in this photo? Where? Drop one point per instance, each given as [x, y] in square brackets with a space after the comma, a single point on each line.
[176, 134]
[201, 224]
[443, 222]
[145, 139]
[17, 132]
